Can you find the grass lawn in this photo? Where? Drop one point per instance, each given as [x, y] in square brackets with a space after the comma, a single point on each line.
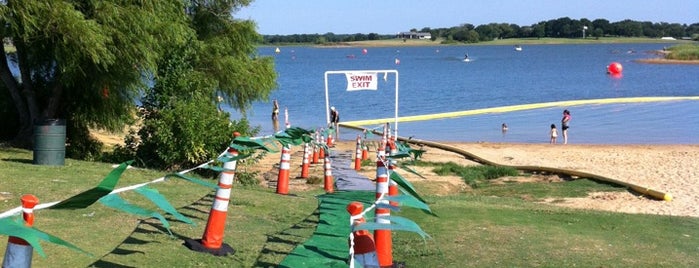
[491, 226]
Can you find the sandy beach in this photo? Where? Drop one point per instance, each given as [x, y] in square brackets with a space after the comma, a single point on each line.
[672, 169]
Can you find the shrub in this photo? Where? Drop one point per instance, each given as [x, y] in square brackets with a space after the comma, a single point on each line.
[474, 175]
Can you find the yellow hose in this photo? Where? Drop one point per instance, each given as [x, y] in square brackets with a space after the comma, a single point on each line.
[472, 157]
[512, 108]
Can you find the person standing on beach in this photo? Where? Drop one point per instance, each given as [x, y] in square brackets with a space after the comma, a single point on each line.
[564, 125]
[334, 120]
[275, 115]
[553, 133]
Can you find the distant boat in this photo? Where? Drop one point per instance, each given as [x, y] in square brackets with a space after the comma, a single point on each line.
[277, 50]
[518, 48]
[466, 59]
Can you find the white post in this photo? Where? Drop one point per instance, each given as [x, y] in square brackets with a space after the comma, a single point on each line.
[327, 98]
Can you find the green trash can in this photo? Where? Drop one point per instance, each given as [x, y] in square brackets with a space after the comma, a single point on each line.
[50, 142]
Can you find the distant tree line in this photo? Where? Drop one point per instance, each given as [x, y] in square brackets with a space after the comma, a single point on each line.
[557, 28]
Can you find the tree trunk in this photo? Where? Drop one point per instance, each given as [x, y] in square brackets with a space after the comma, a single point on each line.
[23, 96]
[14, 88]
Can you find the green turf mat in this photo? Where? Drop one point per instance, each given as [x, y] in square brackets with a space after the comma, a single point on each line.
[328, 247]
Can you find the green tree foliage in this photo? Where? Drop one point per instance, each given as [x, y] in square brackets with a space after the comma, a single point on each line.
[90, 61]
[558, 28]
[214, 62]
[81, 60]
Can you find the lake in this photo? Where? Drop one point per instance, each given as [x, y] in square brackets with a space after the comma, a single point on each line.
[437, 80]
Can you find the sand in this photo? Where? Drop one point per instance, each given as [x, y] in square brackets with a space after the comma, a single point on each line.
[672, 169]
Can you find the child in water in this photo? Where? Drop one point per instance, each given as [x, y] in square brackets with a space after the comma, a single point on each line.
[553, 133]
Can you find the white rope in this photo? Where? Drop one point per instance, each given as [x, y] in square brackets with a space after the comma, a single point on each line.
[17, 210]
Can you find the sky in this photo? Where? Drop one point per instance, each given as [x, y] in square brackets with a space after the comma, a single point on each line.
[286, 17]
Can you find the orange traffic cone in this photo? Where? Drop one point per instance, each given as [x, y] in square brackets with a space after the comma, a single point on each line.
[316, 154]
[362, 245]
[321, 153]
[384, 243]
[328, 179]
[306, 155]
[18, 252]
[287, 124]
[358, 154]
[284, 165]
[365, 149]
[330, 141]
[212, 240]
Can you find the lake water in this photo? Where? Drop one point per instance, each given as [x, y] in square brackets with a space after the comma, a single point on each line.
[437, 80]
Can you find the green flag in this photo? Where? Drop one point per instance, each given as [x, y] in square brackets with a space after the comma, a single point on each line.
[32, 235]
[159, 200]
[403, 183]
[89, 197]
[193, 180]
[396, 224]
[116, 202]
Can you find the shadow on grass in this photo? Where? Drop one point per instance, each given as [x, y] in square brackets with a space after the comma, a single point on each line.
[152, 226]
[19, 160]
[107, 264]
[282, 243]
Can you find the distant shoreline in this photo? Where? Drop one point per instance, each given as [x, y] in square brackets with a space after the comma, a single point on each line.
[511, 42]
[666, 61]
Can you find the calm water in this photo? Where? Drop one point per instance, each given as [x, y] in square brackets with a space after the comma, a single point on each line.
[436, 80]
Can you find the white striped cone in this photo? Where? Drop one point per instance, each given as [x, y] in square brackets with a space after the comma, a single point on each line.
[286, 118]
[306, 162]
[284, 165]
[358, 154]
[384, 243]
[362, 245]
[18, 252]
[328, 179]
[330, 140]
[216, 224]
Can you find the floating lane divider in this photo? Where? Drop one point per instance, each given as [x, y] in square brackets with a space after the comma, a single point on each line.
[513, 108]
[573, 173]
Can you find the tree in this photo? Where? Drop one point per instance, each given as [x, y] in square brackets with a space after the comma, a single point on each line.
[80, 60]
[89, 61]
[214, 61]
[602, 25]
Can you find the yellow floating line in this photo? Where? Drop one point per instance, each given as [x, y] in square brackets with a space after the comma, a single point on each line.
[512, 108]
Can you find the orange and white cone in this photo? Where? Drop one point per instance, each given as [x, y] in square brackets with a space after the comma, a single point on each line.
[306, 163]
[321, 153]
[212, 240]
[330, 141]
[365, 149]
[18, 252]
[384, 242]
[316, 154]
[328, 179]
[365, 152]
[392, 186]
[284, 166]
[358, 154]
[287, 124]
[362, 247]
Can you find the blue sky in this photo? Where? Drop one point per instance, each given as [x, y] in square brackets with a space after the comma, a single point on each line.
[392, 16]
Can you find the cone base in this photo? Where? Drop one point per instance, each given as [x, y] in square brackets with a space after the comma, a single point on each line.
[196, 245]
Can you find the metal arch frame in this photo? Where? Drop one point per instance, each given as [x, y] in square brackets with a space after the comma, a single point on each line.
[327, 98]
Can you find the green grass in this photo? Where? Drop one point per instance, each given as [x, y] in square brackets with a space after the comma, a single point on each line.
[684, 52]
[491, 226]
[479, 177]
[477, 231]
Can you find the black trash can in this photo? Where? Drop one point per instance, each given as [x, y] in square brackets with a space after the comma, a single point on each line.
[50, 142]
